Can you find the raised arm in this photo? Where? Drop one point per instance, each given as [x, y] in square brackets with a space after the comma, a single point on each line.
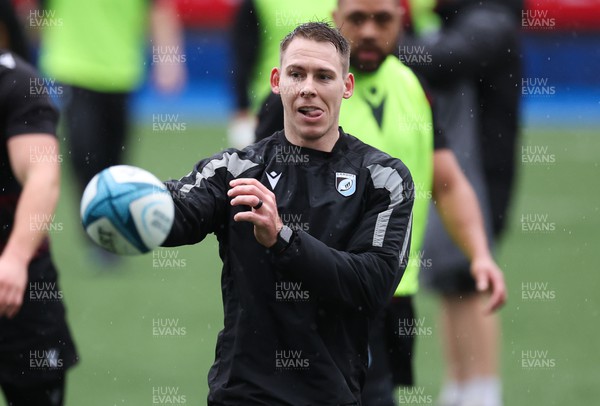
[201, 198]
[363, 276]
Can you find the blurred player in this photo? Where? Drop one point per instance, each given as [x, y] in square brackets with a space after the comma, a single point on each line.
[477, 52]
[98, 51]
[390, 111]
[11, 33]
[298, 305]
[36, 348]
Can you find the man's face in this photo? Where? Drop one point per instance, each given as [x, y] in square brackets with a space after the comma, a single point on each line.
[372, 27]
[312, 84]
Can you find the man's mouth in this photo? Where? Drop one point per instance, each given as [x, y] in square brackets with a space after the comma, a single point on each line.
[368, 54]
[310, 111]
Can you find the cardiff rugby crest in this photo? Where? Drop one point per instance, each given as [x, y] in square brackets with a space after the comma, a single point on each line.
[345, 183]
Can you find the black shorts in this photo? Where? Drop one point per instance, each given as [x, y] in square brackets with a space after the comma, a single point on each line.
[391, 353]
[51, 393]
[449, 281]
[36, 345]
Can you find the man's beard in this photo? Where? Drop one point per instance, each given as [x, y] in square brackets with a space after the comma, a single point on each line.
[370, 64]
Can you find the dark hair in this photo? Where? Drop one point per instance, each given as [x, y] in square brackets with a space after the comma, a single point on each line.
[320, 32]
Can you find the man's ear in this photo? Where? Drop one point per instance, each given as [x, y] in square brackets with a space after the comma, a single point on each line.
[349, 86]
[275, 80]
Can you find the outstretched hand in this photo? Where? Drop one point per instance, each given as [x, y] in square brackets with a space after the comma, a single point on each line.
[264, 216]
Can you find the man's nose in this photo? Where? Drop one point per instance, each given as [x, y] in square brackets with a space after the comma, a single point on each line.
[308, 88]
[368, 30]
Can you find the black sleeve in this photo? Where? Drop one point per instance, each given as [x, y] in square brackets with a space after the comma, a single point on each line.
[366, 274]
[439, 134]
[26, 104]
[270, 117]
[200, 200]
[244, 44]
[478, 37]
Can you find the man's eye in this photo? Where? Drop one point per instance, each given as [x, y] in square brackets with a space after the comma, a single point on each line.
[325, 77]
[357, 19]
[295, 75]
[383, 19]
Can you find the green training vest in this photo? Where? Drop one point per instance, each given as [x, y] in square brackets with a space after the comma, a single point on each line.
[389, 111]
[95, 44]
[424, 18]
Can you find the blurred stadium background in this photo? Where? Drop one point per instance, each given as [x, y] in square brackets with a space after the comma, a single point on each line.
[119, 311]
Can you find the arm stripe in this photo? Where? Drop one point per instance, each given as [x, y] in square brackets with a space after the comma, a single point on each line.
[387, 178]
[380, 227]
[234, 164]
[406, 238]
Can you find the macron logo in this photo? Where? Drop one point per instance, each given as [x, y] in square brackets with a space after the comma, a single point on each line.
[273, 178]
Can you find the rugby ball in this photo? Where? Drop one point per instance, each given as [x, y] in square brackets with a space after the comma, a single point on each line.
[127, 210]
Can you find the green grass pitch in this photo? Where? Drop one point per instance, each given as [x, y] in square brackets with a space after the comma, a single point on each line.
[551, 270]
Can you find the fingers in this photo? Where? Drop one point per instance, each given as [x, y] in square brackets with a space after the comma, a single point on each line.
[498, 292]
[12, 310]
[489, 278]
[249, 186]
[248, 200]
[250, 182]
[13, 280]
[264, 214]
[482, 282]
[250, 192]
[10, 302]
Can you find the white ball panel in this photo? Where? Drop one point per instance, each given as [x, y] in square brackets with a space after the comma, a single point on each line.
[128, 173]
[106, 235]
[153, 216]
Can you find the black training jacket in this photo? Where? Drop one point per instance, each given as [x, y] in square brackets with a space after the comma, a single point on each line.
[296, 323]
